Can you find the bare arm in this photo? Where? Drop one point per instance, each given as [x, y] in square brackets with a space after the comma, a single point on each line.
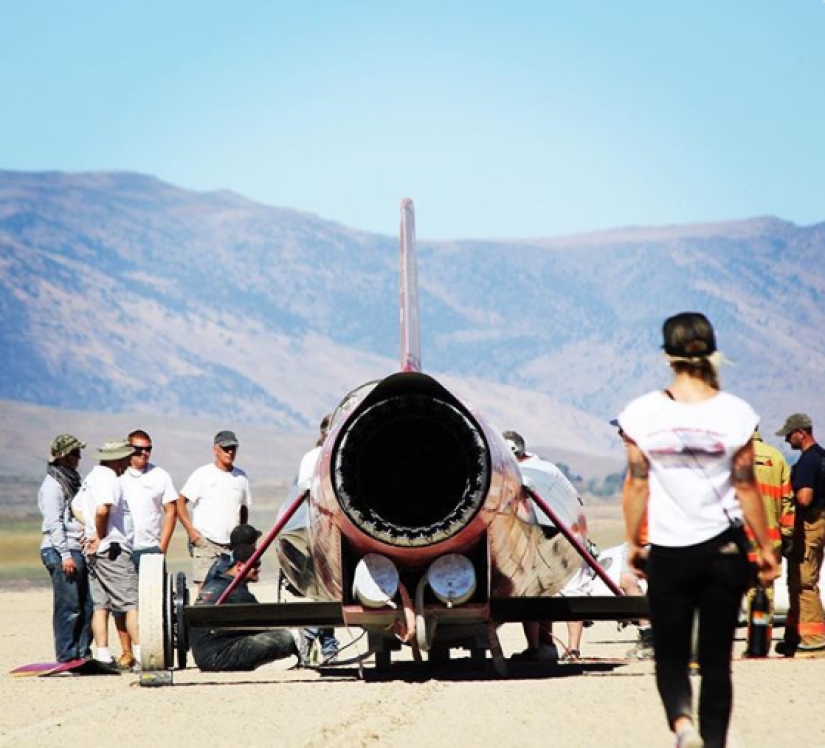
[183, 515]
[170, 516]
[635, 491]
[101, 526]
[747, 491]
[804, 496]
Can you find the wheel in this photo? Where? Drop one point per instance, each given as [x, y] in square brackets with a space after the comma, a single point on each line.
[151, 612]
[169, 622]
[181, 630]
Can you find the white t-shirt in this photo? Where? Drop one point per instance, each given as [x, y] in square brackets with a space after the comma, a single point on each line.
[551, 484]
[690, 447]
[102, 487]
[307, 468]
[83, 504]
[216, 499]
[146, 492]
[581, 584]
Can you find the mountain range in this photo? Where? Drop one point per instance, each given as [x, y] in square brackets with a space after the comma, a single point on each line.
[122, 293]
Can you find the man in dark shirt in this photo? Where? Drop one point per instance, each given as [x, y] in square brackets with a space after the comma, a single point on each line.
[242, 535]
[221, 650]
[805, 626]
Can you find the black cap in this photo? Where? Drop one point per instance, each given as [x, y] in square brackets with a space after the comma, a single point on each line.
[244, 535]
[226, 439]
[242, 553]
[689, 335]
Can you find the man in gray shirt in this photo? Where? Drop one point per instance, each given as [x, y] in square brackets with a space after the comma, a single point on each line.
[61, 552]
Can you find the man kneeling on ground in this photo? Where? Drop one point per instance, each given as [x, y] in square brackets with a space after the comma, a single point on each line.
[220, 650]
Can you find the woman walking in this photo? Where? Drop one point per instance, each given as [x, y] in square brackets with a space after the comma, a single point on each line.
[690, 468]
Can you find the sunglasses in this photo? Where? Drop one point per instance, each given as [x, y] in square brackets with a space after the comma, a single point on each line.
[140, 450]
[229, 448]
[74, 453]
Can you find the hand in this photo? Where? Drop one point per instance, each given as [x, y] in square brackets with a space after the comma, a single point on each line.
[69, 568]
[92, 545]
[637, 560]
[769, 568]
[194, 537]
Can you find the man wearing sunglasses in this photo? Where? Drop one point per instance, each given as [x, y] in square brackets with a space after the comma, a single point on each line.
[150, 497]
[220, 498]
[224, 649]
[805, 626]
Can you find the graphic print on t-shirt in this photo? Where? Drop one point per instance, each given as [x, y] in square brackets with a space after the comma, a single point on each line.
[671, 446]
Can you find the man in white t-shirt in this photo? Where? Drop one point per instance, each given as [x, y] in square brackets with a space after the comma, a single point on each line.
[539, 634]
[220, 499]
[151, 496]
[325, 636]
[150, 501]
[101, 507]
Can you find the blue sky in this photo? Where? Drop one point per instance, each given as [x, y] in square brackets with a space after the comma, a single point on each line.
[500, 119]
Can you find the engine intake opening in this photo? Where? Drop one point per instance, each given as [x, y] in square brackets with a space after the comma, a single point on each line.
[411, 470]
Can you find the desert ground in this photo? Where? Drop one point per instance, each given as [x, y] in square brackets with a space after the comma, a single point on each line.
[600, 702]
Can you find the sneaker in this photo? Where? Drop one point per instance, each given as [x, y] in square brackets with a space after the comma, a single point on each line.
[643, 648]
[689, 737]
[810, 650]
[328, 659]
[811, 647]
[135, 667]
[126, 661]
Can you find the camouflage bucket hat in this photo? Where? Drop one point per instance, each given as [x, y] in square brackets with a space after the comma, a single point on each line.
[62, 445]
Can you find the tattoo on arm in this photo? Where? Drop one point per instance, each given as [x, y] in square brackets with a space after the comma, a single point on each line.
[744, 473]
[638, 469]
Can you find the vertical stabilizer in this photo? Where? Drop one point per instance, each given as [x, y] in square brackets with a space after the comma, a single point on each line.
[410, 331]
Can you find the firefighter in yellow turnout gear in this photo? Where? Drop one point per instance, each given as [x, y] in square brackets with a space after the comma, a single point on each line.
[773, 475]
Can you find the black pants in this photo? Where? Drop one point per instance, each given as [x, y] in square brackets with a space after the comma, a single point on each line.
[709, 578]
[220, 651]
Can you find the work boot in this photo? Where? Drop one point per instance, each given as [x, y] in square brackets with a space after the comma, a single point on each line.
[126, 661]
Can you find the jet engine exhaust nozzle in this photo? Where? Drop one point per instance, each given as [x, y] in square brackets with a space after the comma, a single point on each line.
[411, 470]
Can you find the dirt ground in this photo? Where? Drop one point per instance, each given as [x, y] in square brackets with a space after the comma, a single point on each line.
[601, 702]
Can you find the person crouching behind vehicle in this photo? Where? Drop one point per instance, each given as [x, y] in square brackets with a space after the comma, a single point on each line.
[222, 650]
